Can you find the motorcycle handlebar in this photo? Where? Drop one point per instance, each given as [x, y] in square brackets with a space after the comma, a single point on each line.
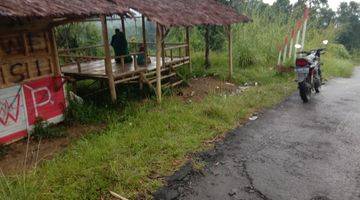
[303, 52]
[309, 52]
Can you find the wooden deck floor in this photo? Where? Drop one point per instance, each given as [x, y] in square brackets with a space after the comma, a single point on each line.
[97, 68]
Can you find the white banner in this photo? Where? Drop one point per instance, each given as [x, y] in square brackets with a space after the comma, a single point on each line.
[12, 112]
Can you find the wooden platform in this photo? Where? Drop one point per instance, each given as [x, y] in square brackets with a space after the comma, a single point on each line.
[96, 69]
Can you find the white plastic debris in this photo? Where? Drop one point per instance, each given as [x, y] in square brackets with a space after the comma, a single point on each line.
[231, 84]
[75, 98]
[253, 118]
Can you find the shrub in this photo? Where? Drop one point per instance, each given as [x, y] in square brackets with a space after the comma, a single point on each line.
[46, 130]
[3, 150]
[339, 51]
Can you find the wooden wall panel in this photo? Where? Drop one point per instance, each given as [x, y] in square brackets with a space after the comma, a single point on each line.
[24, 56]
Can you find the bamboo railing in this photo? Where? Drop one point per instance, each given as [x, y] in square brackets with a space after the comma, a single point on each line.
[80, 55]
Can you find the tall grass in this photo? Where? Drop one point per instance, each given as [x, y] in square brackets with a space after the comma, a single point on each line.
[255, 49]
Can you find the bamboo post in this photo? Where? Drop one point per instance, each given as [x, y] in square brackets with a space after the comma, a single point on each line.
[230, 52]
[207, 47]
[187, 38]
[54, 53]
[171, 55]
[78, 65]
[74, 86]
[159, 33]
[123, 25]
[144, 39]
[163, 47]
[27, 53]
[135, 62]
[108, 65]
[122, 63]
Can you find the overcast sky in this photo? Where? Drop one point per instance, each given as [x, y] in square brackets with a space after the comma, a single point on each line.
[334, 4]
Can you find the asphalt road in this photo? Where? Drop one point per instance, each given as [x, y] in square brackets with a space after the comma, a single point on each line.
[295, 151]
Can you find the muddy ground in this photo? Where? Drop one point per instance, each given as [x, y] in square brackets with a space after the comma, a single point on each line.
[34, 152]
[294, 151]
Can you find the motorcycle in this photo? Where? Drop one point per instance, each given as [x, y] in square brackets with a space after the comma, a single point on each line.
[308, 70]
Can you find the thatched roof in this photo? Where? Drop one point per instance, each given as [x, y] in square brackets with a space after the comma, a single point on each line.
[187, 12]
[59, 8]
[165, 12]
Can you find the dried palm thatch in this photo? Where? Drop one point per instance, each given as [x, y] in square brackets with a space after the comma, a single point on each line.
[59, 8]
[187, 12]
[165, 12]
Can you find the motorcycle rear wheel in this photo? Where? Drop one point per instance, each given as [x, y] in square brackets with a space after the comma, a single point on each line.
[317, 85]
[305, 92]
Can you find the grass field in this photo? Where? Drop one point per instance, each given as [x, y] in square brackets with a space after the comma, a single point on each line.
[151, 140]
[144, 142]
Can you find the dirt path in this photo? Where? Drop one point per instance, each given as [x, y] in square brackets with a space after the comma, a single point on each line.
[295, 151]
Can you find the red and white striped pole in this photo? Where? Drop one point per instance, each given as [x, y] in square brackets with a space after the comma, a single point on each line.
[285, 49]
[280, 55]
[291, 43]
[298, 29]
[306, 17]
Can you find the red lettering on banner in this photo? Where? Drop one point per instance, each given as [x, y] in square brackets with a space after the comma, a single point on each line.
[43, 99]
[9, 110]
[13, 121]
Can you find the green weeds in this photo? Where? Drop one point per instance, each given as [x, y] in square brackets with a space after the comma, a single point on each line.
[45, 130]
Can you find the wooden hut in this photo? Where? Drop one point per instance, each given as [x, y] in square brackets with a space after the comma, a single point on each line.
[31, 77]
[166, 14]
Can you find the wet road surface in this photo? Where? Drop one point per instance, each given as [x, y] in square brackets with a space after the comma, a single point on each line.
[295, 151]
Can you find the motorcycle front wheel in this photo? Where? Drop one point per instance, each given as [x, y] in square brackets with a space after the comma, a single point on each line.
[305, 92]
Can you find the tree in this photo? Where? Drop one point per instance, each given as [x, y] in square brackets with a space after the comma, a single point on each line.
[325, 16]
[213, 36]
[349, 22]
[214, 40]
[317, 4]
[77, 35]
[282, 6]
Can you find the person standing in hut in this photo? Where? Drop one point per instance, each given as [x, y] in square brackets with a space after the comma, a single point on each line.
[120, 45]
